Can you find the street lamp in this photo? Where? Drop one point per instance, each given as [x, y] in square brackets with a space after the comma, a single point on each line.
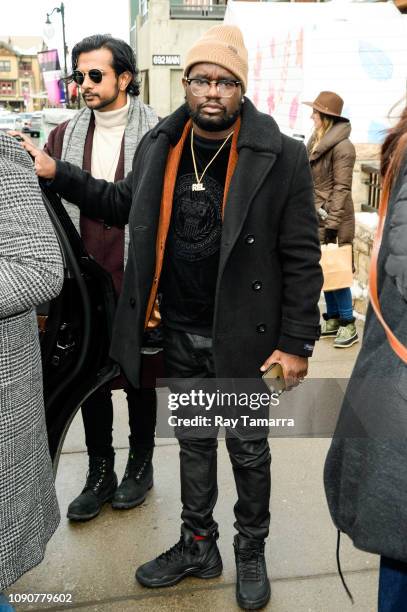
[49, 28]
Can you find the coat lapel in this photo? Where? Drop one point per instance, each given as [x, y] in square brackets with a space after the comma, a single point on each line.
[251, 171]
[258, 145]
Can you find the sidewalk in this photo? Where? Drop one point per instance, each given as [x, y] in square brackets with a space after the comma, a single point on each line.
[96, 561]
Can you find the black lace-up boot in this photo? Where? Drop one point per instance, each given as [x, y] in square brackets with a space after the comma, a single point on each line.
[101, 484]
[252, 583]
[193, 555]
[137, 479]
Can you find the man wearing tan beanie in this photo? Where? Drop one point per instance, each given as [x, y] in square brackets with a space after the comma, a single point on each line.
[224, 232]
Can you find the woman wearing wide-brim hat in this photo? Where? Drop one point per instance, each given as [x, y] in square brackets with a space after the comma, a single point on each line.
[332, 158]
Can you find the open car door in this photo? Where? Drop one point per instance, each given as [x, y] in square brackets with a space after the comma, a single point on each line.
[75, 330]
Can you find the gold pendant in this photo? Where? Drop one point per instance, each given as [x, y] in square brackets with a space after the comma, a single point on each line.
[198, 187]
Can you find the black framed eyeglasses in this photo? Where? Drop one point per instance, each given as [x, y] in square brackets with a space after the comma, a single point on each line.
[94, 74]
[201, 87]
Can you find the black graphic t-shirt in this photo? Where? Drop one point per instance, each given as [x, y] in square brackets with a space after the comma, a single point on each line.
[188, 279]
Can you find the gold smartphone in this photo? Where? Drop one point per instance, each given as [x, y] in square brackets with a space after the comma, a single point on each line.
[274, 378]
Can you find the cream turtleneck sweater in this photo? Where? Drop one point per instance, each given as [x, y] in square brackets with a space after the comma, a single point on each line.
[107, 140]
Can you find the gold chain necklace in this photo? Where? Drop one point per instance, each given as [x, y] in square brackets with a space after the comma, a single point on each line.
[198, 185]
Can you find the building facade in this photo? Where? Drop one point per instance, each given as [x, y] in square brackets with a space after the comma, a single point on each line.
[21, 82]
[161, 33]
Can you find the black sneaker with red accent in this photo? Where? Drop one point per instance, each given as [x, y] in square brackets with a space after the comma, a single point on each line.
[192, 555]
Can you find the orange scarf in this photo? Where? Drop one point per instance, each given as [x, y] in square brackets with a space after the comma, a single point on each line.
[170, 176]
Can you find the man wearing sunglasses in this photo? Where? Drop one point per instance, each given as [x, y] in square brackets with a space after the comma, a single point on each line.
[221, 206]
[102, 139]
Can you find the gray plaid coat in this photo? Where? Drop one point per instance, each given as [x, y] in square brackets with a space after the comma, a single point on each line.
[31, 272]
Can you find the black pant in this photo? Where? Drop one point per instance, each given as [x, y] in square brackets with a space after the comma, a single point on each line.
[190, 356]
[97, 414]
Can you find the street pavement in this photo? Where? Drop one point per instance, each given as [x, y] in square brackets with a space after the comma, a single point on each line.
[96, 561]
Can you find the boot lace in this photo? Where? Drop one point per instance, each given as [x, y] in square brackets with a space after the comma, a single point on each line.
[96, 474]
[250, 566]
[136, 466]
[344, 332]
[176, 552]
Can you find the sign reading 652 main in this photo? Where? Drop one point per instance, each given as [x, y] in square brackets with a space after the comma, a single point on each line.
[166, 60]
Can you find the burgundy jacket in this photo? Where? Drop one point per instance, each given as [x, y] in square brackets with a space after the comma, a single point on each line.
[104, 242]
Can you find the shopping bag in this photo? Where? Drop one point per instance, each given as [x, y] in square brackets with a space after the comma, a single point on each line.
[336, 264]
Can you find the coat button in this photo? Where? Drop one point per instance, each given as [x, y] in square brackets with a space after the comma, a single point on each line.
[132, 302]
[261, 328]
[250, 239]
[257, 285]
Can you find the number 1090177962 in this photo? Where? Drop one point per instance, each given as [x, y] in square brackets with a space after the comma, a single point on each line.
[19, 598]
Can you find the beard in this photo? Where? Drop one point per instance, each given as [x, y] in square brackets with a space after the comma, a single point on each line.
[213, 124]
[102, 102]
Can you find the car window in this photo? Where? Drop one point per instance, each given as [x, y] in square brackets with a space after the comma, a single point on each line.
[7, 121]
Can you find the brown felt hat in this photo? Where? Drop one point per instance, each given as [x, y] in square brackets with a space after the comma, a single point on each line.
[222, 45]
[328, 103]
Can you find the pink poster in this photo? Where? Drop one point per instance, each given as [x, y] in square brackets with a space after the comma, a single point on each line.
[51, 72]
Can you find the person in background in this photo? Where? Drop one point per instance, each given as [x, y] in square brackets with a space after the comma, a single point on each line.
[332, 158]
[31, 272]
[365, 470]
[102, 139]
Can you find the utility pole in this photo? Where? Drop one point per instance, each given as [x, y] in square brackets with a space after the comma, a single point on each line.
[61, 9]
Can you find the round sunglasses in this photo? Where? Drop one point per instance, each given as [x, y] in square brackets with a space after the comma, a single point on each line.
[94, 74]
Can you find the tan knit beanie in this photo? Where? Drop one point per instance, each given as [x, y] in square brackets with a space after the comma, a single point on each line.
[222, 45]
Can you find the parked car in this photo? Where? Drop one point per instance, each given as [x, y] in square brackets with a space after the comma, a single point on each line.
[35, 125]
[23, 122]
[7, 122]
[55, 116]
[75, 330]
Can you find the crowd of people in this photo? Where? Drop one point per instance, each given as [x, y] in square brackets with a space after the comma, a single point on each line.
[178, 211]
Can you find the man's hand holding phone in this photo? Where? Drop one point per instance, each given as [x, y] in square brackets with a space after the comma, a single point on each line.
[293, 368]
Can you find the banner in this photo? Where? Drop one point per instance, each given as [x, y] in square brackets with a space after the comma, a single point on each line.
[51, 72]
[297, 50]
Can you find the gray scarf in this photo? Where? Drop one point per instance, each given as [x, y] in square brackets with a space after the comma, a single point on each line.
[141, 118]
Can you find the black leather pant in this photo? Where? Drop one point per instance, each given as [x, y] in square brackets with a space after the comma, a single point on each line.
[97, 414]
[190, 356]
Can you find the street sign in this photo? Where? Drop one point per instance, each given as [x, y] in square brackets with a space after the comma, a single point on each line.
[166, 60]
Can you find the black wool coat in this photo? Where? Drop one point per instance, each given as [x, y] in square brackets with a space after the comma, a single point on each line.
[269, 277]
